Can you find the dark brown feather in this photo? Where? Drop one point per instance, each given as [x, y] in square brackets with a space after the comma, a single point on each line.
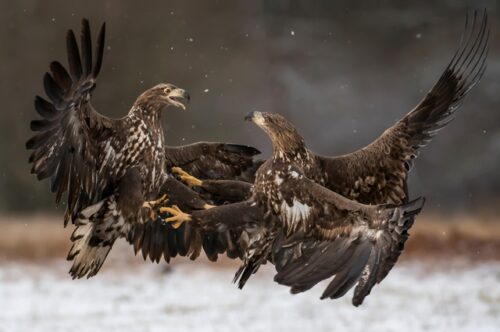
[378, 173]
[207, 160]
[99, 51]
[86, 44]
[74, 61]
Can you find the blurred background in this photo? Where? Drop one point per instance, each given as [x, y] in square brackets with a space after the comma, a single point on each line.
[341, 71]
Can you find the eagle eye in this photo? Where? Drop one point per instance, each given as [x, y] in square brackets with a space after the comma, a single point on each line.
[167, 90]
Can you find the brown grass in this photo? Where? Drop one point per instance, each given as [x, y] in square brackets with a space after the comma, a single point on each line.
[34, 237]
[42, 237]
[468, 237]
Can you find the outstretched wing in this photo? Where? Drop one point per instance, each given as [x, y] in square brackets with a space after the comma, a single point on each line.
[216, 161]
[212, 161]
[156, 239]
[377, 173]
[359, 243]
[66, 145]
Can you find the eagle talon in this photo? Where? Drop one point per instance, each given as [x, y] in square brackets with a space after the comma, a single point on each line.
[185, 177]
[178, 217]
[154, 205]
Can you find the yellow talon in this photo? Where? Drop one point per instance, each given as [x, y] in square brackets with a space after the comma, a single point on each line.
[208, 206]
[153, 205]
[185, 177]
[178, 217]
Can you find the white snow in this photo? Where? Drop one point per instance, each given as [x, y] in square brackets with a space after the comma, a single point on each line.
[196, 298]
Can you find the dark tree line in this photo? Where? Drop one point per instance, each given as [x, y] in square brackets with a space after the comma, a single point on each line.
[341, 72]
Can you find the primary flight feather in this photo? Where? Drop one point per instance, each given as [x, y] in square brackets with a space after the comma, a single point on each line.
[115, 171]
[347, 216]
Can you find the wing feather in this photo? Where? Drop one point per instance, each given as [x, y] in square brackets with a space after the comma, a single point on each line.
[377, 174]
[74, 62]
[208, 160]
[86, 51]
[355, 243]
[66, 146]
[156, 239]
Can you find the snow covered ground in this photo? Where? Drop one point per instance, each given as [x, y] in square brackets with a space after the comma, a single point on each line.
[194, 298]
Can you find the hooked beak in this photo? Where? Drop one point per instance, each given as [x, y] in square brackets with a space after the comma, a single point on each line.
[255, 117]
[177, 97]
[249, 116]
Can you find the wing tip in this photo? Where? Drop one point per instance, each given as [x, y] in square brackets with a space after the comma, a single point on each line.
[85, 22]
[242, 148]
[415, 206]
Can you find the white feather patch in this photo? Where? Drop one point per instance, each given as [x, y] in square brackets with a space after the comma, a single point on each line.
[296, 213]
[372, 234]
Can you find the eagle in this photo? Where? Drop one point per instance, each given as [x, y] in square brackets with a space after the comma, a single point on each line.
[346, 216]
[115, 172]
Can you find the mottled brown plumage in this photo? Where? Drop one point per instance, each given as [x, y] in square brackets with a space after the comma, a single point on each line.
[212, 161]
[320, 225]
[110, 167]
[156, 239]
[216, 161]
[290, 186]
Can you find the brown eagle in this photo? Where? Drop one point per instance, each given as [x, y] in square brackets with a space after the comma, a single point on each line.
[115, 170]
[315, 216]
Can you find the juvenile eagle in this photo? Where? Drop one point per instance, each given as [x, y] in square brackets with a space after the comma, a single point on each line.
[292, 205]
[314, 223]
[115, 170]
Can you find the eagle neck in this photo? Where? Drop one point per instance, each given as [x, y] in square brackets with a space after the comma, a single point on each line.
[148, 114]
[290, 154]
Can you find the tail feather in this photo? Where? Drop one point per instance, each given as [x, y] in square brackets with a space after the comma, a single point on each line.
[383, 258]
[94, 236]
[258, 244]
[249, 267]
[357, 258]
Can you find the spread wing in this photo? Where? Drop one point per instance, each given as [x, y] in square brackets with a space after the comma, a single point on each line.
[360, 243]
[156, 239]
[207, 160]
[220, 192]
[65, 147]
[377, 173]
[213, 161]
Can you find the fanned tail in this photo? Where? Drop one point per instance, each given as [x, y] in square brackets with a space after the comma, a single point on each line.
[97, 228]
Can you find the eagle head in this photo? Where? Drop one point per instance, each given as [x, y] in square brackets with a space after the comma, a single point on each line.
[163, 95]
[285, 137]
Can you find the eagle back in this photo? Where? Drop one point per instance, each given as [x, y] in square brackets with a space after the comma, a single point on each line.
[140, 143]
[285, 203]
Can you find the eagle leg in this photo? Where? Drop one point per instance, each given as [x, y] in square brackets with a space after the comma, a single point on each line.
[187, 178]
[178, 217]
[154, 205]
